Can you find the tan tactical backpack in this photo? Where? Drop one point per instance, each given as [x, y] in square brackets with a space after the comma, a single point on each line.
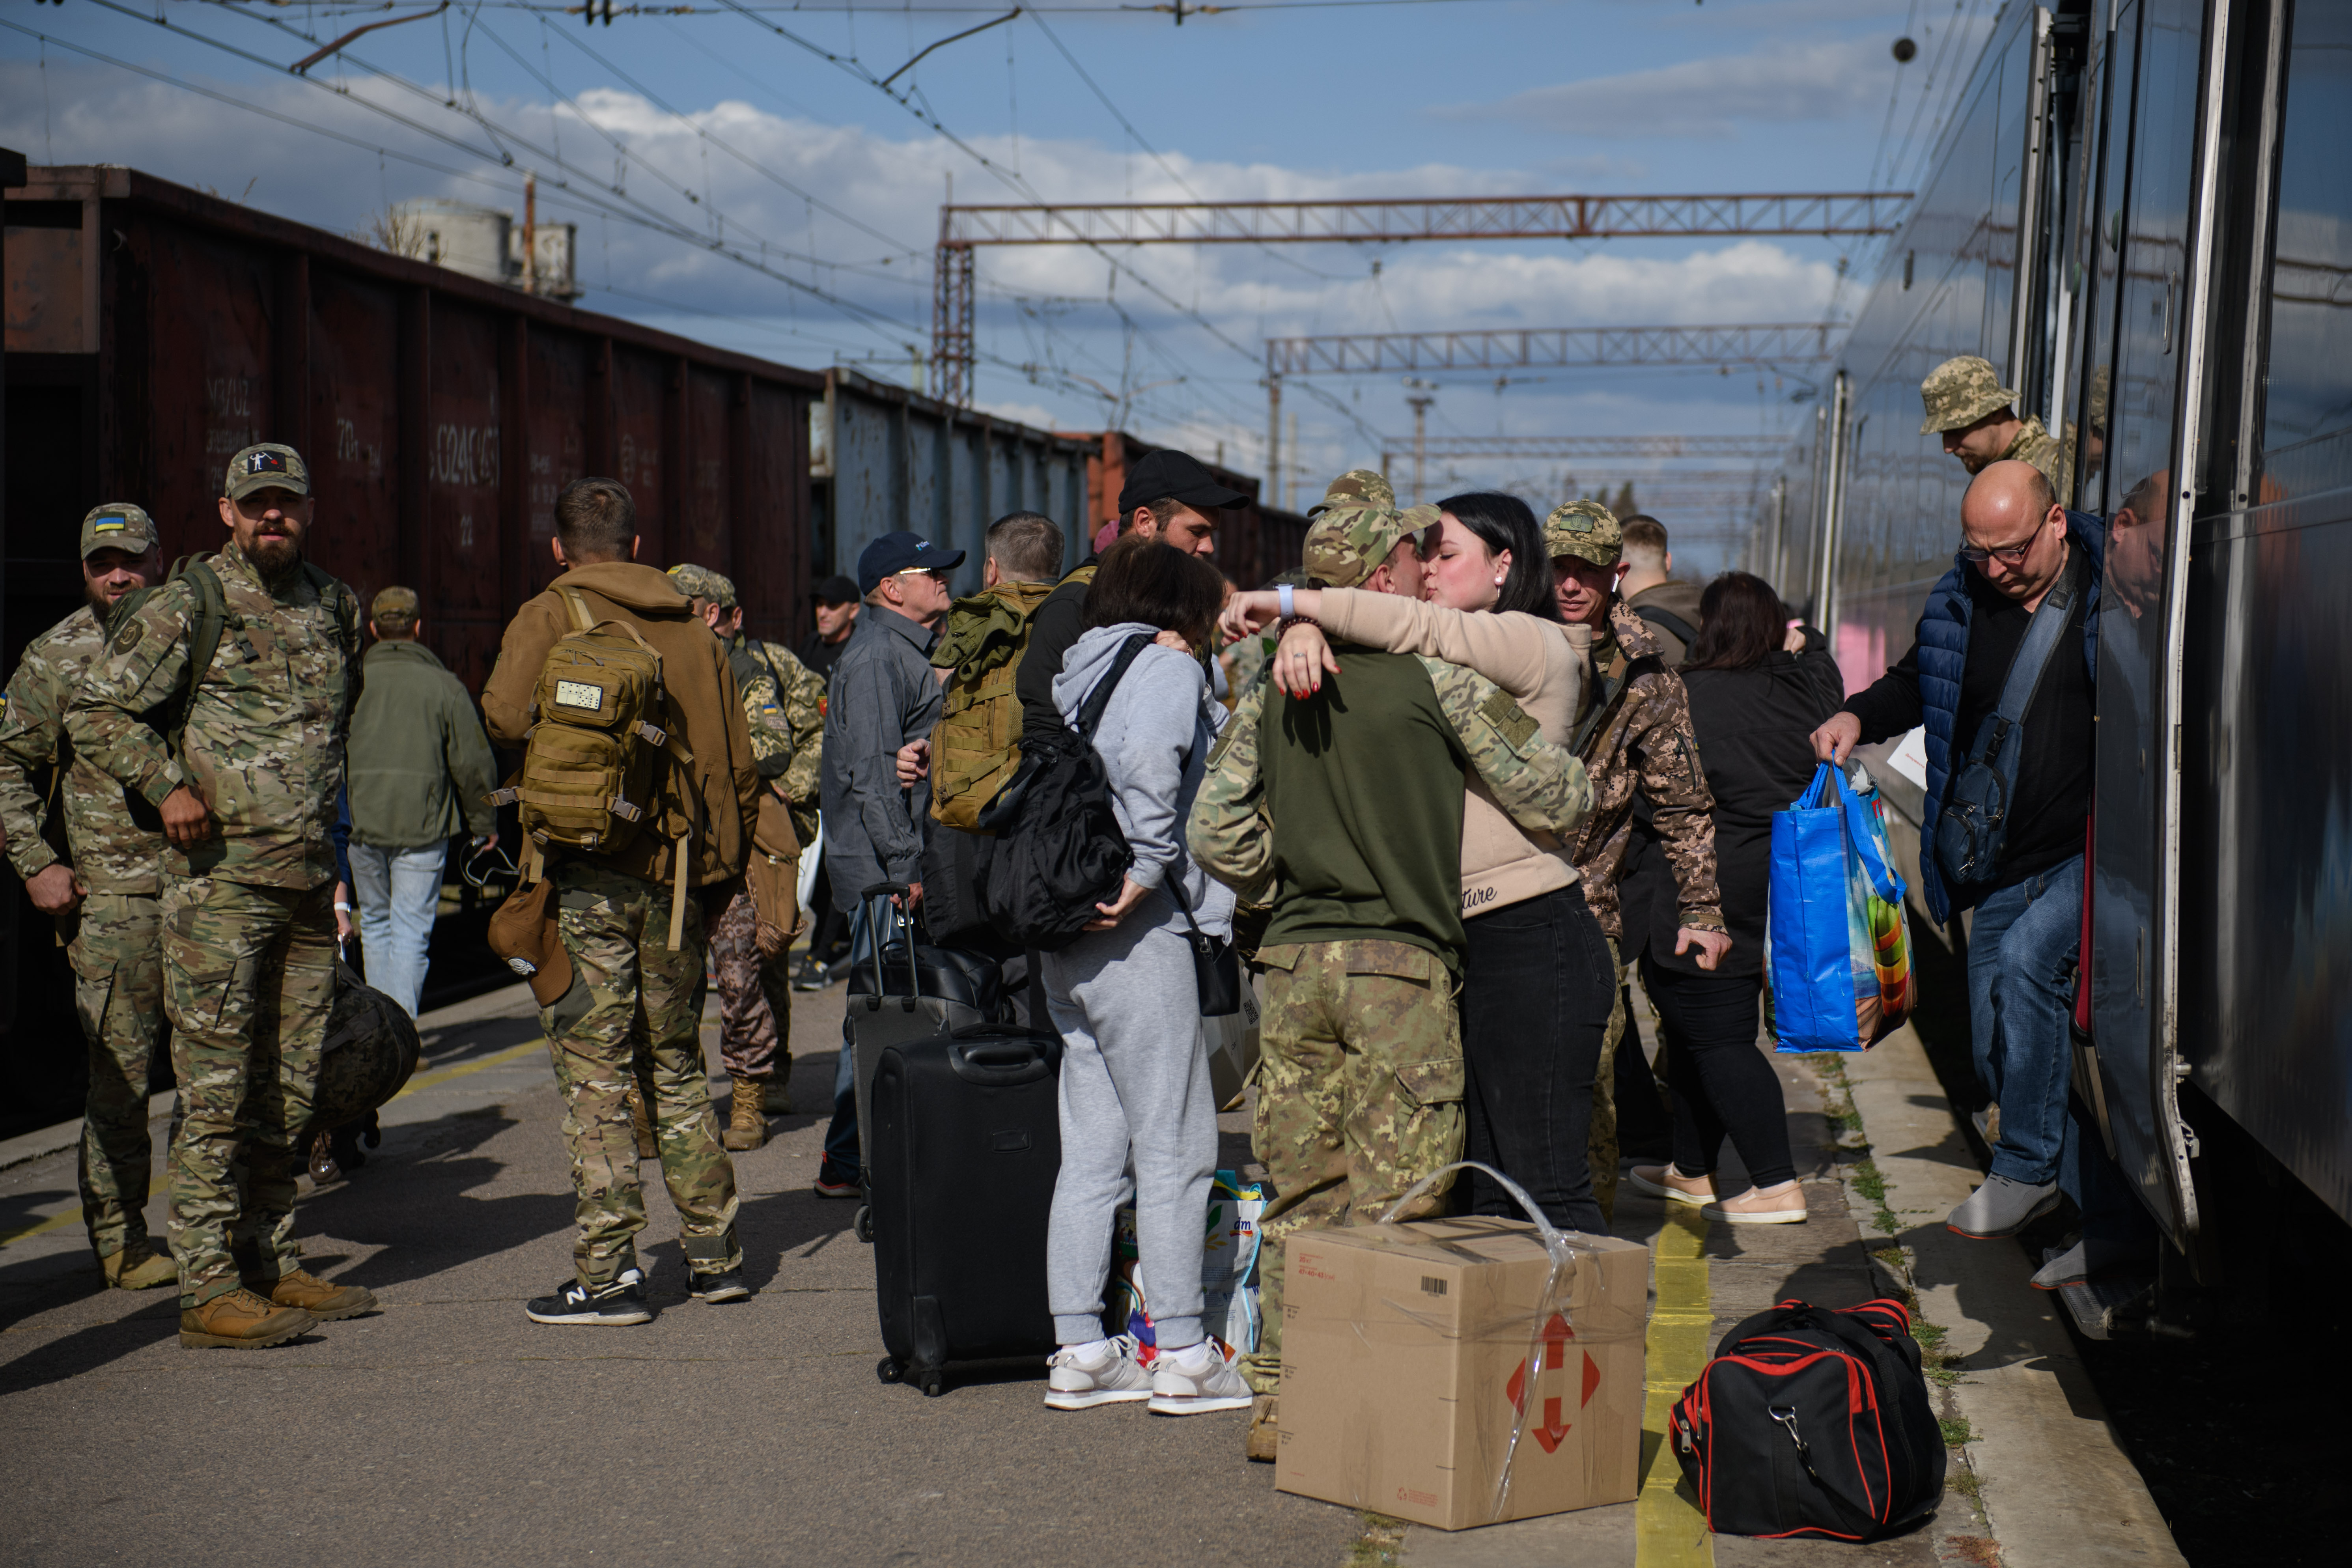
[976, 744]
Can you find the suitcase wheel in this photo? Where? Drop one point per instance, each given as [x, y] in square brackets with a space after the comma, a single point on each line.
[889, 1369]
[862, 1225]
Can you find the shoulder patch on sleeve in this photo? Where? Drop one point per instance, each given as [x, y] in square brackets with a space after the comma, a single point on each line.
[1511, 721]
[128, 637]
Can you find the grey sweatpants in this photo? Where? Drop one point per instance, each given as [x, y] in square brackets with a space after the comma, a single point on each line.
[1133, 1075]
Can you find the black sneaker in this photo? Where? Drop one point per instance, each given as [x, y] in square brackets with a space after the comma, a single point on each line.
[613, 1306]
[808, 974]
[725, 1287]
[833, 1182]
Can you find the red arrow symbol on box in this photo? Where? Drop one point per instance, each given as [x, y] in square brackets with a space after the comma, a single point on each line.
[1556, 1335]
[1553, 1429]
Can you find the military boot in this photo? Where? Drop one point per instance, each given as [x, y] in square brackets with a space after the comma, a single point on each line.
[137, 1267]
[241, 1320]
[775, 1096]
[746, 1127]
[641, 1124]
[1265, 1439]
[323, 1302]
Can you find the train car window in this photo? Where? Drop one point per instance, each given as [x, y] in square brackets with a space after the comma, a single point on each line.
[2105, 247]
[2307, 405]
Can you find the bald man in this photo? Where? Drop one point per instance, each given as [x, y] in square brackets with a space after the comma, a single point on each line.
[2023, 557]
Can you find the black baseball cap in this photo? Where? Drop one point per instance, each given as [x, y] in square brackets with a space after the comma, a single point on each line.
[835, 589]
[1175, 475]
[896, 552]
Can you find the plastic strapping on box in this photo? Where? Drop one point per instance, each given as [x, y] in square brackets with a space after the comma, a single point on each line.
[1554, 1301]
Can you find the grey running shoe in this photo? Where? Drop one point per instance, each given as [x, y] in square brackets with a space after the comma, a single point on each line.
[2001, 1207]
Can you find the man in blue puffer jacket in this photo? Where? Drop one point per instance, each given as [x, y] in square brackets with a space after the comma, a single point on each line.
[2018, 544]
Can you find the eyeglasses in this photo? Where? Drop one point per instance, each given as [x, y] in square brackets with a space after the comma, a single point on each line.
[2007, 554]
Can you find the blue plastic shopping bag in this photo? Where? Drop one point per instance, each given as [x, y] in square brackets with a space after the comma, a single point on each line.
[1838, 941]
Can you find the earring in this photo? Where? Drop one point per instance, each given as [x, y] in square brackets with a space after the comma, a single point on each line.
[1498, 581]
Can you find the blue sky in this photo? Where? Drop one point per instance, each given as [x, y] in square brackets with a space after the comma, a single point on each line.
[1435, 97]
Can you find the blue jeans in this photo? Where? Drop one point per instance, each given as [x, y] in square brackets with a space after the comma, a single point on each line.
[398, 893]
[2021, 948]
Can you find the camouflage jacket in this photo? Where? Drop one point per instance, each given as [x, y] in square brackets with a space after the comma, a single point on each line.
[114, 836]
[1543, 787]
[266, 724]
[1637, 740]
[784, 706]
[2035, 445]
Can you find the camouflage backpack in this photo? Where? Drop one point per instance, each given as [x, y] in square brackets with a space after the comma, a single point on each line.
[976, 744]
[587, 780]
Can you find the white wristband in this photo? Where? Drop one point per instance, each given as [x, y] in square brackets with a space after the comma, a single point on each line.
[1282, 595]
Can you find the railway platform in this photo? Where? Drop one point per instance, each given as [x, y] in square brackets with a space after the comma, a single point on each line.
[449, 1428]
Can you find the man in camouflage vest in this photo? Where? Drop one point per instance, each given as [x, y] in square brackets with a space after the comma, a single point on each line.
[101, 893]
[1635, 739]
[1977, 415]
[247, 802]
[1359, 1094]
[783, 706]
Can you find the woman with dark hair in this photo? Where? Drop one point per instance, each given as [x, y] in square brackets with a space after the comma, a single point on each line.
[1135, 1080]
[1760, 684]
[1537, 979]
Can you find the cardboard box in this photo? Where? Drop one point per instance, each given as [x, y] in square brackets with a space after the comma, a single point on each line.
[1406, 1363]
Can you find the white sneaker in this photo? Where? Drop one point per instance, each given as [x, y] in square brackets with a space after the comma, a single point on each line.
[1104, 1373]
[1194, 1379]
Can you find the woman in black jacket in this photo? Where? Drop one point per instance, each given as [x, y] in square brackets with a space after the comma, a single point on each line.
[1760, 684]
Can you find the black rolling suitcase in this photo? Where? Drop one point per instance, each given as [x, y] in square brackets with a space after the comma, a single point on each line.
[967, 1143]
[909, 991]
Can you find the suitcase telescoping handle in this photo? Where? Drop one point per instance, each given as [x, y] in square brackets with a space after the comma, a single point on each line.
[866, 907]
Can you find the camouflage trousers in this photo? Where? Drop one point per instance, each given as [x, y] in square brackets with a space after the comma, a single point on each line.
[755, 1000]
[1601, 1141]
[118, 963]
[1359, 1096]
[638, 1022]
[248, 981]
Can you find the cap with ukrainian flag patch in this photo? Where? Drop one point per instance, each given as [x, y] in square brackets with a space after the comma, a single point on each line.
[118, 525]
[266, 466]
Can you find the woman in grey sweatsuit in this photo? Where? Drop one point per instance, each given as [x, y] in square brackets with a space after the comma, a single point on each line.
[1123, 997]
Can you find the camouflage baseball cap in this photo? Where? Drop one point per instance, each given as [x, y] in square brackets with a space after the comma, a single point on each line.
[702, 583]
[1348, 543]
[265, 467]
[1586, 530]
[1960, 392]
[118, 525]
[1357, 486]
[396, 607]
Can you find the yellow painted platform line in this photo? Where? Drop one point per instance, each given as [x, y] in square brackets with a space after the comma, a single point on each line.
[495, 1059]
[71, 1216]
[1668, 1532]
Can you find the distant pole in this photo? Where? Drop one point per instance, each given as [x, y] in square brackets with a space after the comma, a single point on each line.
[1419, 444]
[1291, 502]
[1273, 430]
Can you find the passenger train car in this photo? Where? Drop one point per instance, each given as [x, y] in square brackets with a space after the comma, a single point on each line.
[2140, 211]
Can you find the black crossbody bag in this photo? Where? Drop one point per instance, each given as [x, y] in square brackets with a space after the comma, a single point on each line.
[1974, 824]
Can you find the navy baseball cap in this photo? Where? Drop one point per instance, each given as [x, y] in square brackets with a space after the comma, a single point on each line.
[896, 552]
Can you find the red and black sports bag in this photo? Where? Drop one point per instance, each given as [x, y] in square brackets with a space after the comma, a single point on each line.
[1813, 1421]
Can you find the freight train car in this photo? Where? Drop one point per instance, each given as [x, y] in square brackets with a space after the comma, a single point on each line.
[2140, 214]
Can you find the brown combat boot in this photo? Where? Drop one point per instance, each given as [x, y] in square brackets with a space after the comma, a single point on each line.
[1265, 1439]
[323, 1302]
[642, 1125]
[240, 1320]
[747, 1128]
[137, 1267]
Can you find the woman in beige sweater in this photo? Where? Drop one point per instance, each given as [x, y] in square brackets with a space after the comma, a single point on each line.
[1536, 980]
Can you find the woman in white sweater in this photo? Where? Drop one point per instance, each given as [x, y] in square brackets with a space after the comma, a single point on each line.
[1537, 977]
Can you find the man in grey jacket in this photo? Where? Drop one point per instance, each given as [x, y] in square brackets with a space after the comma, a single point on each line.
[884, 693]
[419, 770]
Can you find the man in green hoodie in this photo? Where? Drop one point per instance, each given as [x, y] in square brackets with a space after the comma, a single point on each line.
[420, 771]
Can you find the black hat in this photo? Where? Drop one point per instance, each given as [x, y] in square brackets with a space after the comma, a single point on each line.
[1179, 476]
[835, 589]
[896, 552]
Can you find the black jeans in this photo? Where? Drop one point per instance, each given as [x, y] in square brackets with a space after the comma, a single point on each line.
[1536, 983]
[1722, 1083]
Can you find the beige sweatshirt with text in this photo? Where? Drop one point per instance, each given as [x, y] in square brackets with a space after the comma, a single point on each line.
[1540, 663]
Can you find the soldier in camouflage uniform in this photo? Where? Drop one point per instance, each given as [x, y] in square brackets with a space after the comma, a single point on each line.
[103, 897]
[247, 799]
[1359, 1093]
[1635, 739]
[1977, 415]
[784, 705]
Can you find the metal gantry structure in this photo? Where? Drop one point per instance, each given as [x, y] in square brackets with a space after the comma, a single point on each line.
[1390, 221]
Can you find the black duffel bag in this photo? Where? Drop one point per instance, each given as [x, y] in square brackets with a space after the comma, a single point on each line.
[1059, 848]
[1813, 1421]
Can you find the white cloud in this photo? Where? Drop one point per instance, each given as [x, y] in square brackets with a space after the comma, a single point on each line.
[1780, 82]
